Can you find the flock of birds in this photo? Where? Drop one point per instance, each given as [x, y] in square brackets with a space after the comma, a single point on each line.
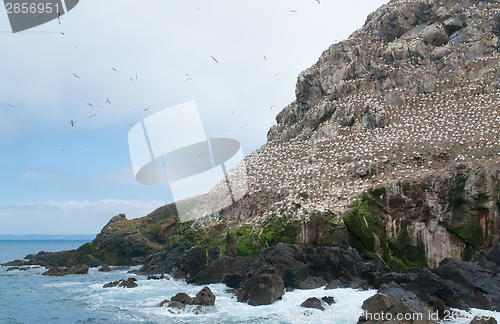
[456, 123]
[333, 171]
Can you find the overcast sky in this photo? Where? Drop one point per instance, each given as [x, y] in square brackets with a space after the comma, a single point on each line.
[56, 178]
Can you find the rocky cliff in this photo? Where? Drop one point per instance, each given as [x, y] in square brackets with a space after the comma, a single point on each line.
[394, 133]
[391, 147]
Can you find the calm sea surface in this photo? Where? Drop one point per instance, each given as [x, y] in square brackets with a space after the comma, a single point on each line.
[28, 297]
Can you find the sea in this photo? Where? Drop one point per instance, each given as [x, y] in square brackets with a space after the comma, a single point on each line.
[29, 297]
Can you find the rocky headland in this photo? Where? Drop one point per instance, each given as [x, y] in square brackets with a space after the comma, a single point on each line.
[384, 173]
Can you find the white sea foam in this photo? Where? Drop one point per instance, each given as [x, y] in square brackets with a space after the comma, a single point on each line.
[51, 297]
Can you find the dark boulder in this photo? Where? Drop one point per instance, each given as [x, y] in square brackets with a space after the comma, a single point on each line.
[263, 286]
[182, 302]
[204, 297]
[309, 268]
[182, 298]
[151, 277]
[229, 271]
[483, 320]
[427, 284]
[129, 283]
[391, 301]
[471, 283]
[107, 268]
[57, 271]
[17, 263]
[353, 282]
[19, 268]
[312, 302]
[328, 299]
[112, 284]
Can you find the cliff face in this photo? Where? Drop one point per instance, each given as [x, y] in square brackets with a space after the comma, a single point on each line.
[403, 117]
[391, 146]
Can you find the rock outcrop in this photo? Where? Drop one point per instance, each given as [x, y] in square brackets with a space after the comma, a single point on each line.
[182, 302]
[129, 283]
[58, 271]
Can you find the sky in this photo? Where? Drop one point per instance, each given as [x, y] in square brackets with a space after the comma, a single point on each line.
[238, 60]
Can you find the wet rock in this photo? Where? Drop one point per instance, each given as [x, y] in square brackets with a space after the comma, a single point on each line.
[354, 283]
[204, 297]
[112, 284]
[19, 268]
[182, 298]
[129, 283]
[312, 302]
[393, 300]
[483, 320]
[328, 299]
[182, 302]
[309, 268]
[263, 286]
[107, 268]
[57, 271]
[17, 263]
[427, 284]
[228, 270]
[151, 277]
[471, 283]
[178, 308]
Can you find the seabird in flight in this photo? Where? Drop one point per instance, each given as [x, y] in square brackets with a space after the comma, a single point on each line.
[213, 58]
[72, 123]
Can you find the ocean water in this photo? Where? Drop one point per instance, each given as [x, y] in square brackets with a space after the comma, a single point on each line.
[28, 297]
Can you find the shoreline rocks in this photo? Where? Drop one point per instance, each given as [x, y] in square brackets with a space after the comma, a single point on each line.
[58, 271]
[129, 283]
[183, 302]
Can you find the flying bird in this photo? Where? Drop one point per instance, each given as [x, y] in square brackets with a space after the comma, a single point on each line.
[215, 60]
[92, 115]
[72, 123]
[114, 69]
[89, 104]
[62, 33]
[146, 109]
[11, 106]
[76, 76]
[200, 154]
[188, 79]
[272, 106]
[265, 57]
[107, 100]
[292, 10]
[277, 74]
